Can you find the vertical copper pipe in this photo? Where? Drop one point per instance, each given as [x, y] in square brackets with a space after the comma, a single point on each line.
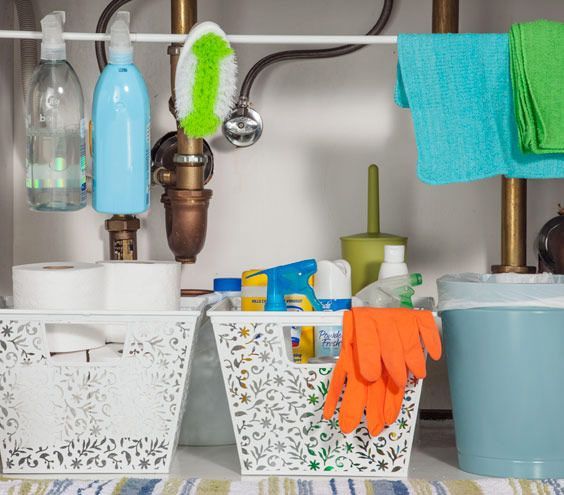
[514, 220]
[445, 16]
[184, 14]
[185, 199]
[513, 227]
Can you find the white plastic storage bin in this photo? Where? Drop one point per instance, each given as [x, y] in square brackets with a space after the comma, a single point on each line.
[121, 416]
[276, 405]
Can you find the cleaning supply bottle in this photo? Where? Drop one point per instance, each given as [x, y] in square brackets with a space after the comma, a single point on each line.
[253, 291]
[228, 287]
[393, 292]
[288, 288]
[121, 130]
[333, 289]
[289, 279]
[55, 130]
[394, 264]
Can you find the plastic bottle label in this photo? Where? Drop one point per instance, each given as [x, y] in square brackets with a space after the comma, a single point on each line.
[328, 339]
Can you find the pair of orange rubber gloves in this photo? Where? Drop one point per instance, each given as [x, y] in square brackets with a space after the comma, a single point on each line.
[380, 347]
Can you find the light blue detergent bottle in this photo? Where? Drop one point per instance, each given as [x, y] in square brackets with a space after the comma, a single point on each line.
[121, 130]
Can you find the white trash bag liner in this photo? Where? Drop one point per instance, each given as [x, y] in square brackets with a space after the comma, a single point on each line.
[475, 290]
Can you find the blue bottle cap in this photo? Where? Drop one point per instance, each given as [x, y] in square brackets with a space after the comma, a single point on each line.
[227, 284]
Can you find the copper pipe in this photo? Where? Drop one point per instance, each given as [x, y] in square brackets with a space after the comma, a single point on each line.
[184, 14]
[195, 292]
[186, 221]
[185, 199]
[513, 227]
[189, 177]
[445, 16]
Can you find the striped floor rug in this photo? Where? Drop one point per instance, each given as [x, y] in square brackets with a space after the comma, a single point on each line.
[278, 486]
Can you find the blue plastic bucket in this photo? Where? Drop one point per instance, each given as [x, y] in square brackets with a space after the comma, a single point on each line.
[506, 374]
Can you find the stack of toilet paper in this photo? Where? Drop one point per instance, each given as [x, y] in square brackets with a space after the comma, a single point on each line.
[108, 285]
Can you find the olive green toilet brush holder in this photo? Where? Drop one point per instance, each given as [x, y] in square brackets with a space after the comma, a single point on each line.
[365, 252]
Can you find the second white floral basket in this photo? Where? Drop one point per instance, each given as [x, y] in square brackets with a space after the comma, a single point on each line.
[276, 405]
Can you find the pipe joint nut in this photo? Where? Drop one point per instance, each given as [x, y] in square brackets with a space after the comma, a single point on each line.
[194, 160]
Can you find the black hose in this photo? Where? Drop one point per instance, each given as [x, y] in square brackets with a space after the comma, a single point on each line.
[102, 26]
[336, 51]
[28, 48]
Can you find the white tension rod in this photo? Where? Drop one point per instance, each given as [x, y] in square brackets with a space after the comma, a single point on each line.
[253, 39]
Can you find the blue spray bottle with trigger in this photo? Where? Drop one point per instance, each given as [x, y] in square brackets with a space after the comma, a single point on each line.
[289, 279]
[121, 130]
[293, 281]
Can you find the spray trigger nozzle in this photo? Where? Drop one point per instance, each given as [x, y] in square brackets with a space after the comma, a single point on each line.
[289, 279]
[121, 50]
[53, 44]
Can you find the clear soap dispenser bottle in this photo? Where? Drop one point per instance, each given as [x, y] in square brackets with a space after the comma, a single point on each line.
[55, 131]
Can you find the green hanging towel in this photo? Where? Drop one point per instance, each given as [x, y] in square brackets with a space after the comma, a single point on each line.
[537, 75]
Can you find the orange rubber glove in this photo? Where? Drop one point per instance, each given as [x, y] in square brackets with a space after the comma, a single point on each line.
[395, 334]
[381, 399]
[383, 404]
[372, 336]
[356, 391]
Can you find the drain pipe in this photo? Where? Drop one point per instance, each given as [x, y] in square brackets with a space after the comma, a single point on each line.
[185, 199]
[513, 227]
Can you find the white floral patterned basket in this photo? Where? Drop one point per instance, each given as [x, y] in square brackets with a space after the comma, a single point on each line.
[276, 405]
[106, 417]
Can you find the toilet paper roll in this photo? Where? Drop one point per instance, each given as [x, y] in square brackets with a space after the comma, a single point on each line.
[70, 357]
[139, 286]
[62, 286]
[108, 353]
[142, 285]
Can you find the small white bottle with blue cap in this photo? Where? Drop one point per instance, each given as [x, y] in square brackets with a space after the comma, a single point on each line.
[228, 287]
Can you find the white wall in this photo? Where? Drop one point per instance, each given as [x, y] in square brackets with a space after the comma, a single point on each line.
[6, 146]
[303, 185]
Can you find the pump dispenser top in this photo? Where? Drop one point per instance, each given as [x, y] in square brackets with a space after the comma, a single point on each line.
[53, 45]
[121, 50]
[289, 279]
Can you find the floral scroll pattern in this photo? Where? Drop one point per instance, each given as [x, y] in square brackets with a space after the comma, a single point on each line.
[106, 417]
[277, 412]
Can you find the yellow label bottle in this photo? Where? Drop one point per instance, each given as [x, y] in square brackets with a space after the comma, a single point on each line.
[253, 298]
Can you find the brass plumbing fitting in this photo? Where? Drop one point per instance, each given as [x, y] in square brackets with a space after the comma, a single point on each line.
[123, 236]
[185, 199]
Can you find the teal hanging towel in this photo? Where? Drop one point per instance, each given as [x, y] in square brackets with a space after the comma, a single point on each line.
[537, 75]
[459, 91]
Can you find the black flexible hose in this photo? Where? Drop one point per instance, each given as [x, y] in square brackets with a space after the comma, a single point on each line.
[336, 51]
[102, 26]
